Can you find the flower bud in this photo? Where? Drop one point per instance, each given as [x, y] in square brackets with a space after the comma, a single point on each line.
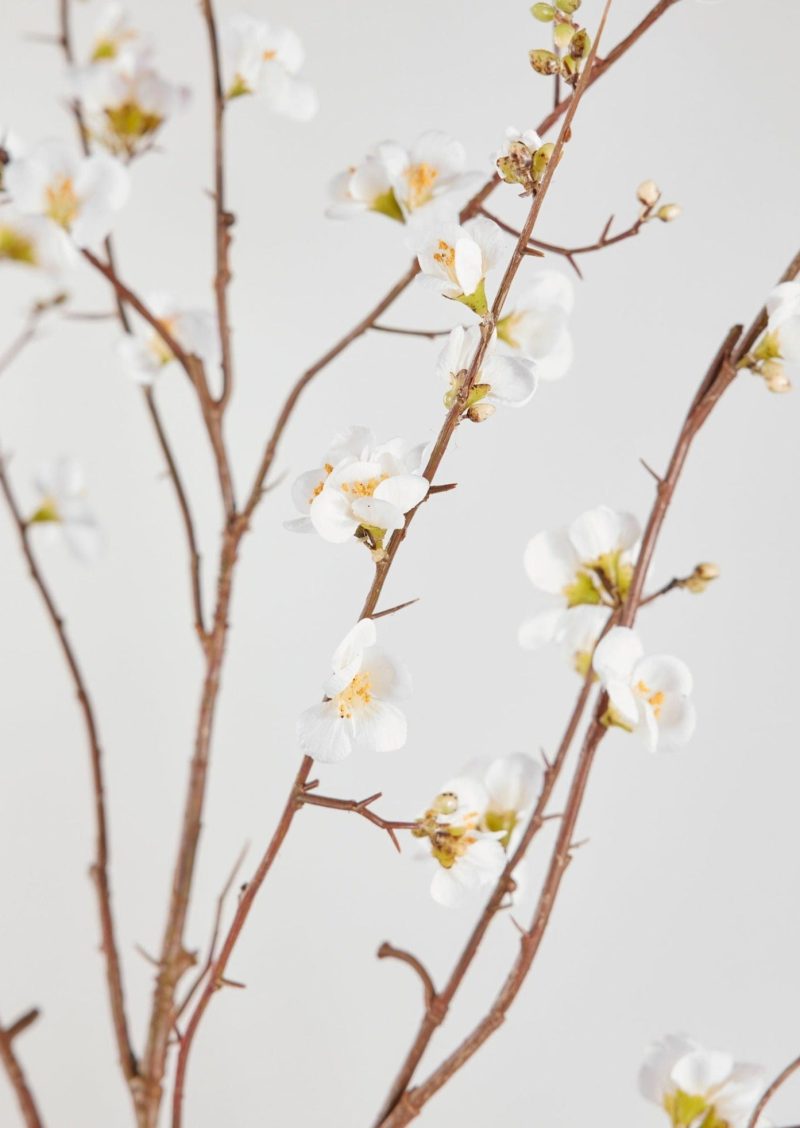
[544, 62]
[543, 12]
[541, 159]
[568, 7]
[667, 212]
[581, 44]
[446, 803]
[648, 193]
[775, 376]
[480, 412]
[562, 35]
[707, 571]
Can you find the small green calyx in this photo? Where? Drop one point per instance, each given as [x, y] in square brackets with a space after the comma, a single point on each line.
[582, 590]
[387, 204]
[237, 89]
[582, 662]
[104, 49]
[372, 536]
[504, 821]
[543, 12]
[16, 248]
[683, 1110]
[476, 301]
[505, 331]
[768, 348]
[46, 513]
[128, 124]
[612, 719]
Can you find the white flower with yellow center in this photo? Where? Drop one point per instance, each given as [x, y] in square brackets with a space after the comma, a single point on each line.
[512, 783]
[589, 565]
[648, 695]
[126, 100]
[80, 195]
[362, 489]
[700, 1088]
[468, 856]
[431, 169]
[780, 345]
[146, 354]
[265, 60]
[366, 187]
[63, 511]
[32, 241]
[359, 713]
[455, 260]
[505, 380]
[537, 325]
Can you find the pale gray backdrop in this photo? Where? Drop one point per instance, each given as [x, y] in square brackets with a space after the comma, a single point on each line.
[682, 911]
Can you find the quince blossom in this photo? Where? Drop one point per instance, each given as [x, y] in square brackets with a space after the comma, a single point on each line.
[80, 195]
[589, 565]
[113, 32]
[399, 182]
[505, 380]
[126, 100]
[359, 713]
[32, 241]
[780, 345]
[146, 355]
[700, 1088]
[455, 260]
[646, 695]
[362, 489]
[512, 784]
[265, 60]
[537, 326]
[63, 511]
[517, 160]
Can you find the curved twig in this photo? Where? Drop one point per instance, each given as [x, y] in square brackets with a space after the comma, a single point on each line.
[387, 951]
[772, 1089]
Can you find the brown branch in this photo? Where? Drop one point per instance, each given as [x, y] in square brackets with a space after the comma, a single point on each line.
[358, 807]
[224, 218]
[19, 1082]
[718, 377]
[772, 1089]
[100, 866]
[387, 951]
[381, 572]
[397, 607]
[431, 334]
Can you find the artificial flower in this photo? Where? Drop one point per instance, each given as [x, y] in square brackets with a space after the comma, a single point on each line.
[649, 695]
[455, 260]
[80, 195]
[431, 169]
[468, 857]
[359, 713]
[126, 100]
[700, 1088]
[537, 325]
[515, 162]
[512, 784]
[63, 510]
[505, 380]
[266, 60]
[146, 354]
[361, 489]
[365, 187]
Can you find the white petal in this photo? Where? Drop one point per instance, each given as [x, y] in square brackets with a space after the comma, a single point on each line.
[378, 514]
[551, 561]
[354, 643]
[389, 678]
[514, 782]
[404, 491]
[624, 701]
[654, 1076]
[379, 727]
[541, 629]
[557, 362]
[306, 488]
[446, 889]
[701, 1070]
[603, 530]
[468, 265]
[665, 674]
[323, 734]
[331, 516]
[676, 723]
[617, 654]
[512, 380]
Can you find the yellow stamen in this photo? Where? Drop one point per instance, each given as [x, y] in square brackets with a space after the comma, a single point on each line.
[654, 700]
[62, 203]
[355, 695]
[420, 179]
[363, 489]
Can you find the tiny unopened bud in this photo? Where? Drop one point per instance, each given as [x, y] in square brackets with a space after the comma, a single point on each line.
[480, 412]
[544, 62]
[667, 212]
[581, 44]
[541, 159]
[775, 377]
[446, 803]
[648, 193]
[562, 35]
[707, 571]
[568, 7]
[543, 12]
[700, 578]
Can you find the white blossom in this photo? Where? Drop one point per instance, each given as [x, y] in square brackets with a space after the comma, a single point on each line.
[589, 566]
[359, 713]
[80, 195]
[514, 161]
[63, 510]
[266, 60]
[504, 380]
[537, 325]
[648, 695]
[126, 100]
[32, 241]
[113, 31]
[455, 260]
[365, 187]
[696, 1086]
[361, 488]
[146, 354]
[512, 784]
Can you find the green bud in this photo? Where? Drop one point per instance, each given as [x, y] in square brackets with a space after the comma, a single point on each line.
[581, 44]
[569, 67]
[543, 12]
[544, 62]
[667, 212]
[568, 7]
[541, 159]
[446, 803]
[562, 35]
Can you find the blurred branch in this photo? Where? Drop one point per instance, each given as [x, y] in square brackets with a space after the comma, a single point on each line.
[11, 1064]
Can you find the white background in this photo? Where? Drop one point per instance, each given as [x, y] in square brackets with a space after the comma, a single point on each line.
[682, 910]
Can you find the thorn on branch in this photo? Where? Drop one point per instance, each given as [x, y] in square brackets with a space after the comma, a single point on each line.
[652, 472]
[397, 607]
[359, 807]
[22, 1023]
[444, 488]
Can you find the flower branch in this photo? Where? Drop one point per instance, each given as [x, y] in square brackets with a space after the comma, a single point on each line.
[308, 796]
[16, 1076]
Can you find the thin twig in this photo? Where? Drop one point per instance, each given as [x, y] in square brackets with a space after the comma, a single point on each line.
[772, 1089]
[357, 807]
[100, 866]
[19, 1082]
[431, 334]
[397, 607]
[388, 951]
